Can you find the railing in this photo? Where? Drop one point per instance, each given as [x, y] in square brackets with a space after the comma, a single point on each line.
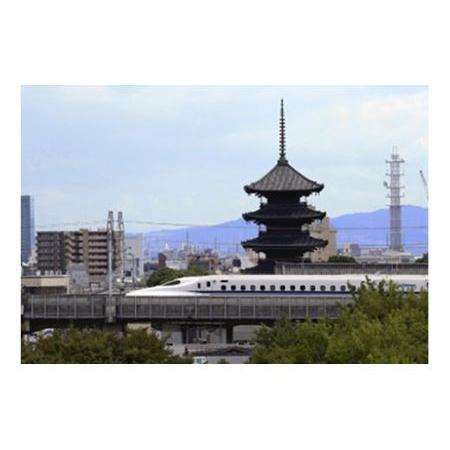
[344, 268]
[183, 308]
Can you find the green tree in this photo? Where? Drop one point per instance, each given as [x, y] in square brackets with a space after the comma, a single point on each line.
[341, 259]
[423, 259]
[92, 346]
[383, 325]
[291, 343]
[164, 275]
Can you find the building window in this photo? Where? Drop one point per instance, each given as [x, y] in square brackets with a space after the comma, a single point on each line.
[243, 287]
[272, 287]
[262, 287]
[223, 287]
[312, 288]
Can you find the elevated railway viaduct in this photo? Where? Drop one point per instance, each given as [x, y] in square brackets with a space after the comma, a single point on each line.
[174, 313]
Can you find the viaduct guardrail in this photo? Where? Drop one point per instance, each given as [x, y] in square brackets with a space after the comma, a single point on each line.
[345, 268]
[196, 308]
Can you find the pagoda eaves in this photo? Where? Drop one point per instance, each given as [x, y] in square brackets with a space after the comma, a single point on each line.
[286, 236]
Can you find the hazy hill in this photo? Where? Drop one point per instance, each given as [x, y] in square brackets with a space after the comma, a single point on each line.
[372, 228]
[368, 229]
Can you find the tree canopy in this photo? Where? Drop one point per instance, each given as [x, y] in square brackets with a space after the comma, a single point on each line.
[423, 259]
[93, 346]
[384, 325]
[341, 259]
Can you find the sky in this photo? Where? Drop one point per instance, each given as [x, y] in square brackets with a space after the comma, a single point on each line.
[183, 154]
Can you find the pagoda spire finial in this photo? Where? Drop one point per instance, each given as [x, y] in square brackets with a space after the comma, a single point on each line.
[282, 159]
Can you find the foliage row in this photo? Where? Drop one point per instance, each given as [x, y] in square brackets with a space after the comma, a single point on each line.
[92, 346]
[384, 325]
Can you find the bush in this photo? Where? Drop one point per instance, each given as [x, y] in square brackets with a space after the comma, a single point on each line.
[423, 259]
[341, 259]
[94, 346]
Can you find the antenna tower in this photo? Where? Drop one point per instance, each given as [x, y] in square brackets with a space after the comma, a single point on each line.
[395, 195]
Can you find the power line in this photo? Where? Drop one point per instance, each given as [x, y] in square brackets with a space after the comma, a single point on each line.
[191, 225]
[230, 244]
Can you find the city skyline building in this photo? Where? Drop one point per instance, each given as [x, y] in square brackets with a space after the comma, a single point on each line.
[27, 237]
[58, 250]
[134, 255]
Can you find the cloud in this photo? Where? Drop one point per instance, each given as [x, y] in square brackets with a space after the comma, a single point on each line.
[183, 154]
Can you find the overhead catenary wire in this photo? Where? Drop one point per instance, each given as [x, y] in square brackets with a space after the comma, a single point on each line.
[191, 225]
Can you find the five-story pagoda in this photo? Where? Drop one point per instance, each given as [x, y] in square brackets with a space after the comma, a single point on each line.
[284, 215]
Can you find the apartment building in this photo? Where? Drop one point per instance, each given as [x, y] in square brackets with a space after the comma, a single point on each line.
[57, 250]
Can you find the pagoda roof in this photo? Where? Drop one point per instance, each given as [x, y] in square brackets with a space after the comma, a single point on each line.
[266, 240]
[284, 212]
[283, 178]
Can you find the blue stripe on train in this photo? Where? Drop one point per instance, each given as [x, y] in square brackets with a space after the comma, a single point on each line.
[275, 292]
[313, 293]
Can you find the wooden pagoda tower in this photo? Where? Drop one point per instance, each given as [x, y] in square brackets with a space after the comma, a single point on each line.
[285, 214]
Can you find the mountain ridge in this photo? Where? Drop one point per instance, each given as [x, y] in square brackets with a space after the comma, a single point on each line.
[368, 229]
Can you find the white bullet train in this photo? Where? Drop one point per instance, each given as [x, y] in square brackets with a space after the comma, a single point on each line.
[237, 285]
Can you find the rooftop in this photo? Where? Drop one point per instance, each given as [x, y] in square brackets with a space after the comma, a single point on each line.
[283, 177]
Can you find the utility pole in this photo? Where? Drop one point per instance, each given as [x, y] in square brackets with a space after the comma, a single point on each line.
[395, 210]
[109, 233]
[121, 241]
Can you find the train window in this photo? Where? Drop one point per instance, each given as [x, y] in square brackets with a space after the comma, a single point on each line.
[282, 287]
[199, 285]
[223, 287]
[208, 284]
[343, 288]
[233, 287]
[252, 287]
[312, 287]
[224, 281]
[332, 287]
[322, 287]
[272, 287]
[302, 287]
[292, 288]
[262, 288]
[243, 287]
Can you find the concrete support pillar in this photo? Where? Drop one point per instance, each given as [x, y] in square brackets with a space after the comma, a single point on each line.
[229, 334]
[184, 334]
[26, 326]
